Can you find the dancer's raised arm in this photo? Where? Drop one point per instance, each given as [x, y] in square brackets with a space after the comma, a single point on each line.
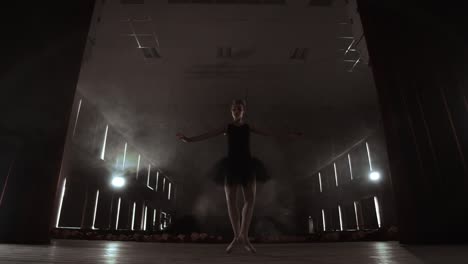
[255, 130]
[201, 137]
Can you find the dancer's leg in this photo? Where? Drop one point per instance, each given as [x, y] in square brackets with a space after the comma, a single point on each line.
[233, 210]
[249, 192]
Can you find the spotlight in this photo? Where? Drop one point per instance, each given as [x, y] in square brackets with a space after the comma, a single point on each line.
[374, 176]
[118, 181]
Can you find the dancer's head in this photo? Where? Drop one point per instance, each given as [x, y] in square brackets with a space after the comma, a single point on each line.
[238, 109]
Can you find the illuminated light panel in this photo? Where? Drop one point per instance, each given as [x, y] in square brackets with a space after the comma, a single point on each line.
[341, 218]
[62, 195]
[369, 157]
[124, 156]
[76, 119]
[323, 220]
[138, 166]
[95, 209]
[145, 214]
[336, 175]
[154, 218]
[157, 180]
[311, 225]
[356, 214]
[148, 178]
[350, 167]
[133, 216]
[103, 152]
[164, 183]
[163, 217]
[169, 192]
[118, 214]
[142, 220]
[320, 181]
[377, 211]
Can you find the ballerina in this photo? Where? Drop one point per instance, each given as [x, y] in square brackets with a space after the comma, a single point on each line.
[240, 171]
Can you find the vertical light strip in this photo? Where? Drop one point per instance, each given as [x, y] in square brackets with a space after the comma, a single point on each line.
[350, 167]
[76, 119]
[133, 216]
[164, 183]
[341, 218]
[61, 202]
[369, 156]
[125, 156]
[103, 152]
[356, 214]
[323, 220]
[160, 219]
[95, 209]
[377, 211]
[148, 180]
[156, 184]
[118, 214]
[163, 224]
[145, 216]
[169, 193]
[138, 166]
[320, 181]
[142, 220]
[149, 174]
[157, 180]
[336, 174]
[311, 225]
[154, 218]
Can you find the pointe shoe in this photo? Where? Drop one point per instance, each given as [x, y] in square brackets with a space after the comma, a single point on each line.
[251, 248]
[247, 245]
[230, 246]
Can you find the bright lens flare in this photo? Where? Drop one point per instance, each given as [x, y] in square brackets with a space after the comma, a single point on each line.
[118, 181]
[374, 176]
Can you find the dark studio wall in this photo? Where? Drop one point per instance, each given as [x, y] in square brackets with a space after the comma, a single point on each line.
[418, 56]
[39, 72]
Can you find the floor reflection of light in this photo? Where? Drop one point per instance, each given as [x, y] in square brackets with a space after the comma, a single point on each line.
[111, 252]
[382, 253]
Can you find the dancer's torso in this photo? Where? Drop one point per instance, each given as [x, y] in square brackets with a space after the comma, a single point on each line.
[238, 141]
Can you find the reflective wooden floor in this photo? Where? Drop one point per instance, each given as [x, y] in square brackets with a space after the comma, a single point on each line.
[81, 252]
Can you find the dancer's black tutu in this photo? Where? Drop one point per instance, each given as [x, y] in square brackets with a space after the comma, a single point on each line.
[239, 167]
[234, 172]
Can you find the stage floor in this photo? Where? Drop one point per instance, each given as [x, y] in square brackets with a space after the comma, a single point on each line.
[82, 252]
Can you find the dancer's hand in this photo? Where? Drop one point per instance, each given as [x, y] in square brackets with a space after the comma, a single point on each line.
[183, 138]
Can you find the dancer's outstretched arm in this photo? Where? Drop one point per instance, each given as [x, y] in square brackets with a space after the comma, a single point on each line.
[201, 137]
[271, 134]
